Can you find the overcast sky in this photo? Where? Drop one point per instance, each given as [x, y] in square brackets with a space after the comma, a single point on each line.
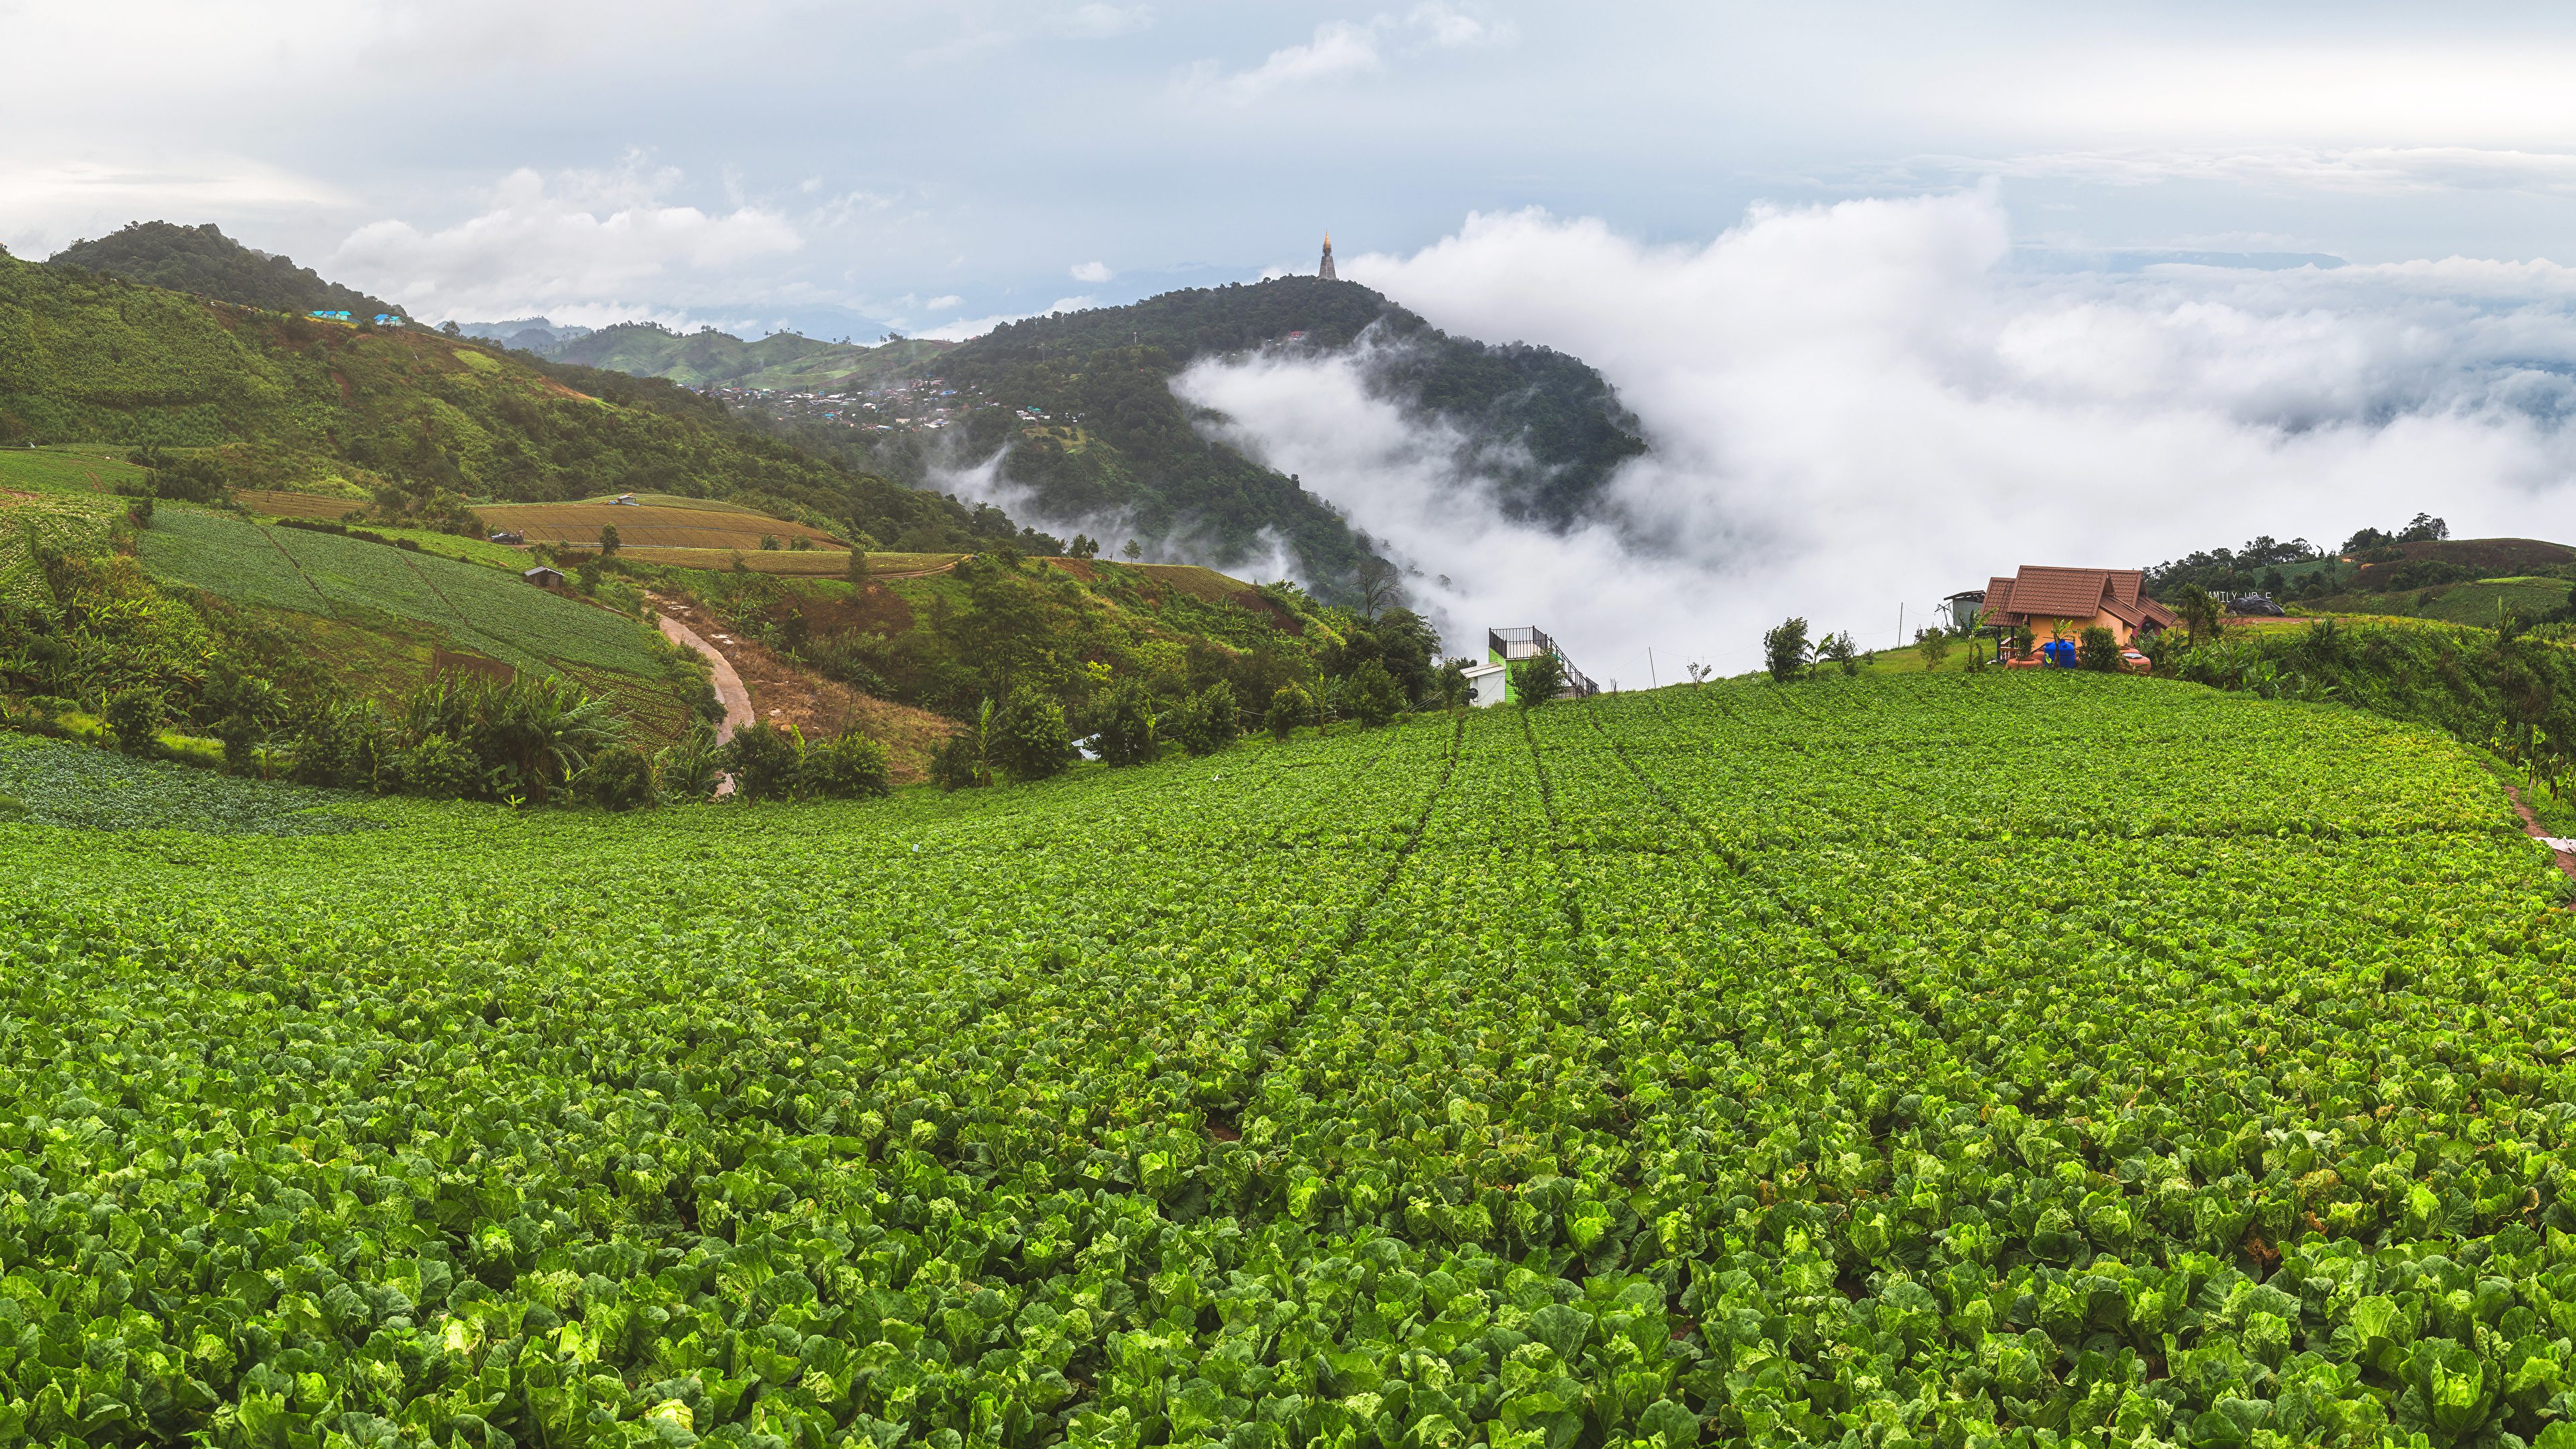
[931, 165]
[1903, 295]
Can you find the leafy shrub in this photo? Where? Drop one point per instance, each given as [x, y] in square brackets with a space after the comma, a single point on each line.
[1208, 721]
[851, 658]
[135, 715]
[1289, 708]
[1537, 680]
[438, 768]
[536, 732]
[2431, 573]
[1374, 696]
[1126, 733]
[2097, 648]
[193, 480]
[618, 778]
[1449, 686]
[689, 769]
[1028, 737]
[242, 707]
[958, 765]
[1784, 650]
[763, 760]
[1840, 649]
[848, 767]
[342, 745]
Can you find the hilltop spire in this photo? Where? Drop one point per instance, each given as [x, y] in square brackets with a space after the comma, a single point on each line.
[1326, 271]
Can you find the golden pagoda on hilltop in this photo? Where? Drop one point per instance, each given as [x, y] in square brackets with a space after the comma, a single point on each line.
[1326, 271]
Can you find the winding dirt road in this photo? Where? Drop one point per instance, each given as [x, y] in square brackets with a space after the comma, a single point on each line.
[729, 687]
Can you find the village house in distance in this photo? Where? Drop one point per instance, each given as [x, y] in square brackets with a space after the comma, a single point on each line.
[2062, 603]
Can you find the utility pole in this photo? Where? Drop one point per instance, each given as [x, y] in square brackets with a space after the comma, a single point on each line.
[1900, 625]
[1650, 666]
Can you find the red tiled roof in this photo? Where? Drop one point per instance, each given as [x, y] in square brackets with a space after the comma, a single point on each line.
[2045, 592]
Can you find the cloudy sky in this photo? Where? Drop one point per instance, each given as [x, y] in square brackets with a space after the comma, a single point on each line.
[931, 165]
[1902, 293]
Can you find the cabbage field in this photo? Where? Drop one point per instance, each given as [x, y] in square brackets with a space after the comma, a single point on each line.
[1924, 1060]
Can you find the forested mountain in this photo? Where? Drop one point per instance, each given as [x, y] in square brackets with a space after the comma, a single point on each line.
[1549, 427]
[782, 361]
[536, 334]
[201, 259]
[1111, 446]
[287, 399]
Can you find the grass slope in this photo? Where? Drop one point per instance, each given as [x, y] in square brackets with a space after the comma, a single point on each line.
[1685, 1063]
[649, 525]
[303, 405]
[201, 259]
[487, 610]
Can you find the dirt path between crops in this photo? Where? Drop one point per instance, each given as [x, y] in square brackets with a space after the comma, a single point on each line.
[2531, 826]
[729, 690]
[729, 686]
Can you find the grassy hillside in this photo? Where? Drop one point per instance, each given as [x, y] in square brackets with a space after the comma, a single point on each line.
[163, 605]
[2489, 556]
[1626, 1073]
[2480, 602]
[298, 404]
[201, 259]
[357, 612]
[668, 525]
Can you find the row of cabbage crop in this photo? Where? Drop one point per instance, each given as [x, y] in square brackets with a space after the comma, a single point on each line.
[1947, 1061]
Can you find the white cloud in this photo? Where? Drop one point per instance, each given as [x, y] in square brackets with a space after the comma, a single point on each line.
[49, 200]
[1343, 48]
[942, 304]
[1099, 22]
[2364, 170]
[1855, 407]
[961, 330]
[580, 237]
[1092, 272]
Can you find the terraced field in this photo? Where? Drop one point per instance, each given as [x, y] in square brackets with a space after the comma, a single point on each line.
[641, 526]
[487, 610]
[1738, 1064]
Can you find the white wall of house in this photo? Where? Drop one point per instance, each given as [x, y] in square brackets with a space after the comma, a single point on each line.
[1484, 684]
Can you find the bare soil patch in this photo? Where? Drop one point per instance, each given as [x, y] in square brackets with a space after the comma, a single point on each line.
[786, 694]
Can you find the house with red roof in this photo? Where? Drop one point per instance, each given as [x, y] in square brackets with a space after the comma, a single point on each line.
[2061, 603]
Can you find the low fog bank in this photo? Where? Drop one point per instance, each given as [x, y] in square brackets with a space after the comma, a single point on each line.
[1858, 406]
[980, 480]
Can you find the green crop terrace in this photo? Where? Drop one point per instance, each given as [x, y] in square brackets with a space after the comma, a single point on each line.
[1927, 1060]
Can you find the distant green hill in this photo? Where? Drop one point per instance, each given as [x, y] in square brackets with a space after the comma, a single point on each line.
[292, 401]
[1111, 446]
[1548, 427]
[782, 361]
[201, 259]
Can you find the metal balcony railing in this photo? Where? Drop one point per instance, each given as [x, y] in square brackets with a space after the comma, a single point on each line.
[1510, 646]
